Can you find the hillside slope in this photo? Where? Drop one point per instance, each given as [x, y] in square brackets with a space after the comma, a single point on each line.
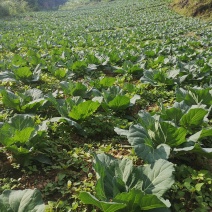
[200, 8]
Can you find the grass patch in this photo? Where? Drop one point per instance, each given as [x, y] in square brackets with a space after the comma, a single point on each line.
[195, 8]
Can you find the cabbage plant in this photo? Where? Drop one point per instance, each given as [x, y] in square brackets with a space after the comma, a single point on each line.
[21, 201]
[121, 186]
[22, 136]
[180, 128]
[28, 101]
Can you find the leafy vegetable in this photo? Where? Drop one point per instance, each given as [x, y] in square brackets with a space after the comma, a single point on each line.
[84, 110]
[194, 96]
[135, 187]
[26, 200]
[73, 89]
[87, 198]
[154, 136]
[29, 101]
[119, 103]
[160, 77]
[22, 136]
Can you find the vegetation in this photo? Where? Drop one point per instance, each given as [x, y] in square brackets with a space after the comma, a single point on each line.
[70, 4]
[104, 105]
[17, 7]
[201, 8]
[12, 7]
[45, 4]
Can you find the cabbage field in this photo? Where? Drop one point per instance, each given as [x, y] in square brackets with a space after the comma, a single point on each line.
[106, 107]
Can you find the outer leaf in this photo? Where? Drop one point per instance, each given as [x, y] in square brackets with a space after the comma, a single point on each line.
[158, 178]
[7, 76]
[59, 105]
[28, 101]
[21, 201]
[34, 93]
[24, 135]
[75, 89]
[166, 133]
[199, 135]
[79, 66]
[17, 60]
[23, 73]
[206, 152]
[60, 73]
[181, 94]
[136, 200]
[192, 144]
[107, 81]
[161, 131]
[206, 133]
[172, 114]
[150, 155]
[194, 117]
[36, 74]
[87, 198]
[109, 184]
[152, 179]
[144, 147]
[121, 131]
[195, 96]
[22, 121]
[111, 93]
[172, 74]
[155, 77]
[119, 103]
[11, 100]
[36, 96]
[34, 105]
[84, 110]
[149, 77]
[63, 106]
[20, 134]
[146, 120]
[79, 89]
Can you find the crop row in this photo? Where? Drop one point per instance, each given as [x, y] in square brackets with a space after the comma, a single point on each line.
[135, 69]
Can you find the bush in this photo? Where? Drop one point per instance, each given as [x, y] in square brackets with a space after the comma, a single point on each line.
[12, 7]
[3, 11]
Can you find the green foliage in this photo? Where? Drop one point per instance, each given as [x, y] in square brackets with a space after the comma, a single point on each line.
[153, 136]
[195, 96]
[12, 7]
[83, 72]
[161, 77]
[191, 190]
[21, 135]
[23, 74]
[17, 7]
[119, 103]
[26, 200]
[87, 198]
[74, 89]
[124, 184]
[107, 81]
[84, 110]
[29, 101]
